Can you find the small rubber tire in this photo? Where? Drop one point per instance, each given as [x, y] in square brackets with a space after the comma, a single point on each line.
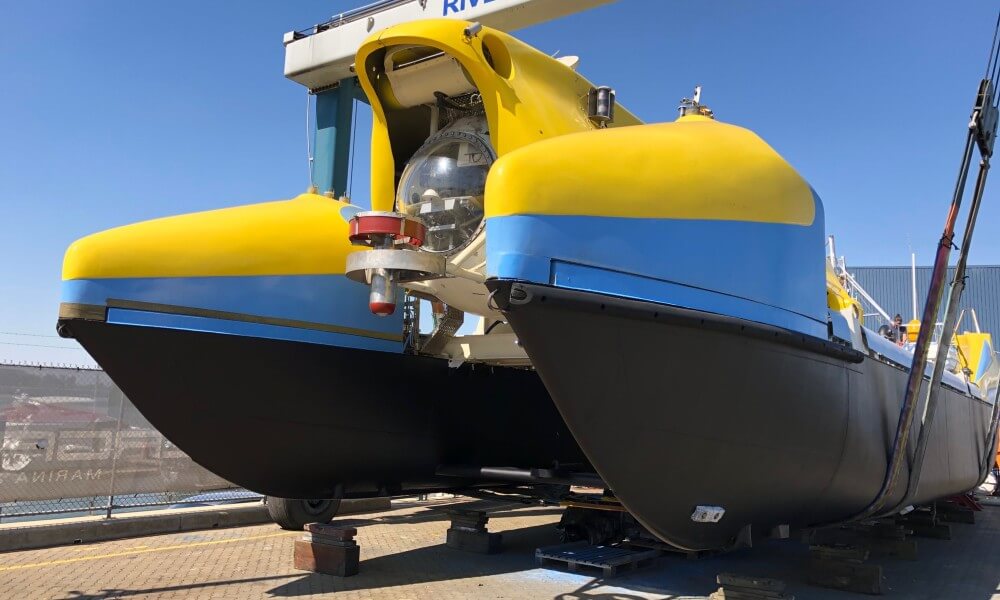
[293, 514]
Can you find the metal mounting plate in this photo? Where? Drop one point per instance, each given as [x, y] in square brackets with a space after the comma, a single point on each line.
[411, 265]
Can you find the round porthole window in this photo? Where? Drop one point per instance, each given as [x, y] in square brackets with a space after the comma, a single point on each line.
[444, 185]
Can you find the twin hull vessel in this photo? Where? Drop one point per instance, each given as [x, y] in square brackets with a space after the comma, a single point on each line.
[654, 306]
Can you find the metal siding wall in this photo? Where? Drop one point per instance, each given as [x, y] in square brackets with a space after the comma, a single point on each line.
[891, 288]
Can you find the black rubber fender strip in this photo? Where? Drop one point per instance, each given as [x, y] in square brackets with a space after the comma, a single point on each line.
[509, 295]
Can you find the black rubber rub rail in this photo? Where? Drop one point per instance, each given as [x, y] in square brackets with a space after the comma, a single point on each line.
[509, 295]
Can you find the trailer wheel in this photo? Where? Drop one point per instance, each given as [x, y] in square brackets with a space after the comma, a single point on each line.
[293, 514]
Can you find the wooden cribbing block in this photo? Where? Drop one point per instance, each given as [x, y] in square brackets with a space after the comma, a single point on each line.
[881, 539]
[468, 519]
[327, 549]
[925, 523]
[951, 512]
[742, 587]
[468, 532]
[330, 534]
[843, 568]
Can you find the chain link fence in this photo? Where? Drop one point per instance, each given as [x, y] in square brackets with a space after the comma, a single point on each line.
[72, 443]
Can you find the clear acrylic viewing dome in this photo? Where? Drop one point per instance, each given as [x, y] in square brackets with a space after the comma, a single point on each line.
[443, 185]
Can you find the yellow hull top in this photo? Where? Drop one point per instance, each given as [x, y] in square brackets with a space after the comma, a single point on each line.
[303, 236]
[694, 168]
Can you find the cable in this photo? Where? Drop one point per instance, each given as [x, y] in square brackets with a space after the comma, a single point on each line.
[41, 335]
[309, 151]
[991, 63]
[996, 68]
[40, 346]
[354, 144]
[492, 325]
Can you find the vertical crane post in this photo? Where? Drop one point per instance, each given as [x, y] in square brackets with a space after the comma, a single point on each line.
[334, 113]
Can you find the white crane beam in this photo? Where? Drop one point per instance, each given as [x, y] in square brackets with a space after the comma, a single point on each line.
[324, 56]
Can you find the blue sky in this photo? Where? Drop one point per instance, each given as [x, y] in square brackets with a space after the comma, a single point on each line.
[118, 111]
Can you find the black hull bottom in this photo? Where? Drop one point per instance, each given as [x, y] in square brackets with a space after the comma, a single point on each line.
[676, 411]
[296, 420]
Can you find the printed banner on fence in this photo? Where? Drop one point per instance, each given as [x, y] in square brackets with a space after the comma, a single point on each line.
[69, 433]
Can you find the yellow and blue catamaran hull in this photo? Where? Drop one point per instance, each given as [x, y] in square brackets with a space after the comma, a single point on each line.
[668, 283]
[236, 333]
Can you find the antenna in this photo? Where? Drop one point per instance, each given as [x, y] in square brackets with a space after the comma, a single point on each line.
[693, 105]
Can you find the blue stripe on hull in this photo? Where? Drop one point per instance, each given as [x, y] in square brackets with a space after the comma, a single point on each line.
[765, 272]
[626, 285]
[325, 300]
[142, 318]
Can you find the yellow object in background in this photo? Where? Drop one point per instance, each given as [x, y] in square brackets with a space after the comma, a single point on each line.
[971, 346]
[837, 297]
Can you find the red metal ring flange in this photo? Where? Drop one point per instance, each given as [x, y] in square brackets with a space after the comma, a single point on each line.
[402, 228]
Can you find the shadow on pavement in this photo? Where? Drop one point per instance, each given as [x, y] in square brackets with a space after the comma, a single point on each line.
[110, 594]
[968, 567]
[440, 563]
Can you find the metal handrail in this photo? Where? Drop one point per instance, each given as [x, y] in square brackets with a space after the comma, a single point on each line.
[864, 294]
[354, 14]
